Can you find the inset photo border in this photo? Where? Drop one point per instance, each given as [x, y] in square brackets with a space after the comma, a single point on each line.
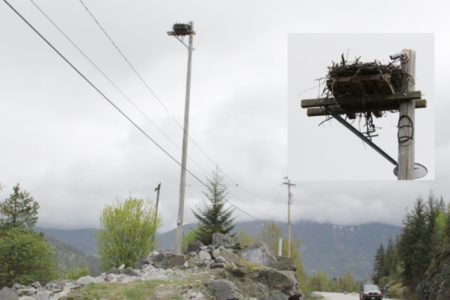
[322, 147]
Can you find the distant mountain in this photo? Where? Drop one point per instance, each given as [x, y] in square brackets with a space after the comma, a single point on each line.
[324, 247]
[84, 240]
[69, 259]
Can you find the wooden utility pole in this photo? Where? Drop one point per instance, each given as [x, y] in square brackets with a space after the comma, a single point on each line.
[181, 30]
[155, 224]
[280, 247]
[157, 189]
[289, 184]
[406, 121]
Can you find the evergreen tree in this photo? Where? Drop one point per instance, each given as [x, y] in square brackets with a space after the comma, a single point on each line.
[447, 229]
[380, 264]
[25, 257]
[413, 247]
[391, 258]
[214, 217]
[19, 210]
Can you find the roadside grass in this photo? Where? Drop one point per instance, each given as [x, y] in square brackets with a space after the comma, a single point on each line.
[158, 289]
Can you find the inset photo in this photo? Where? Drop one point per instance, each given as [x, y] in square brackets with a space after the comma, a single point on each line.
[360, 106]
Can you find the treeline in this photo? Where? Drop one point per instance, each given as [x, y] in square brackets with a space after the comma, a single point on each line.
[405, 261]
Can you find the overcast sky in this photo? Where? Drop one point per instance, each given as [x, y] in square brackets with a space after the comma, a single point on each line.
[75, 154]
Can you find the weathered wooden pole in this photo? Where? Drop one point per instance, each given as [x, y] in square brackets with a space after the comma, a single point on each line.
[289, 184]
[280, 247]
[406, 121]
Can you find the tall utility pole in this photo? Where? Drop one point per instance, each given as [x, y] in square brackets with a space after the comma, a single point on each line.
[406, 120]
[289, 184]
[180, 30]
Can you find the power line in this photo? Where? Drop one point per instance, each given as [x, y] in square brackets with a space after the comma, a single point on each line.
[110, 80]
[248, 214]
[141, 78]
[121, 53]
[111, 102]
[99, 91]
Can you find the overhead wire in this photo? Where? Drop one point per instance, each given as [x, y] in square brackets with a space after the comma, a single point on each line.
[105, 97]
[144, 82]
[140, 77]
[100, 92]
[118, 89]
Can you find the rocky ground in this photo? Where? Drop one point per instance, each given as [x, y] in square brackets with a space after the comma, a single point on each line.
[220, 271]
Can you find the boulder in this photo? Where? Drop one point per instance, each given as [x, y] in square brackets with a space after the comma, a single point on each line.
[217, 265]
[223, 289]
[167, 260]
[221, 240]
[36, 285]
[220, 259]
[43, 295]
[227, 254]
[55, 286]
[18, 286]
[85, 280]
[204, 256]
[283, 263]
[195, 246]
[8, 294]
[278, 280]
[27, 291]
[258, 253]
[150, 257]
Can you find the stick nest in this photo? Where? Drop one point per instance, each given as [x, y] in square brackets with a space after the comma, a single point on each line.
[390, 74]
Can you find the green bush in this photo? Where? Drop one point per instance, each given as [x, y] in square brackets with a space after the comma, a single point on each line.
[127, 233]
[25, 257]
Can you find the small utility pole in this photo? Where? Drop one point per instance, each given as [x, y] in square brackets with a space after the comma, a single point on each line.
[157, 189]
[280, 247]
[179, 31]
[155, 223]
[289, 184]
[406, 121]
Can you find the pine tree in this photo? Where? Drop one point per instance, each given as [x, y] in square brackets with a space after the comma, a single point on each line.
[380, 264]
[25, 255]
[447, 229]
[214, 217]
[19, 210]
[413, 247]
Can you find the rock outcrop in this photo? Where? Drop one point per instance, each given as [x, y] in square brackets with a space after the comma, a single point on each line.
[436, 285]
[228, 273]
[258, 253]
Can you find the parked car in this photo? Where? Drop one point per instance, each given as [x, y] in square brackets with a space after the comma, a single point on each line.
[370, 292]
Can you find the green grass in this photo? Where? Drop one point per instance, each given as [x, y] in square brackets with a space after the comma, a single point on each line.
[138, 290]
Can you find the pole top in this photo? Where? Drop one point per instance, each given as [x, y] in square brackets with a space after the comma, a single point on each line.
[182, 29]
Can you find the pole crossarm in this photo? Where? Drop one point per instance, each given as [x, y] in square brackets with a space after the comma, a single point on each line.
[369, 103]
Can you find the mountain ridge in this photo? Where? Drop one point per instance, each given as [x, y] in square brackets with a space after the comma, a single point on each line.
[336, 249]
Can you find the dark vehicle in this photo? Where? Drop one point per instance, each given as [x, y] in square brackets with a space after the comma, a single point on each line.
[370, 292]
